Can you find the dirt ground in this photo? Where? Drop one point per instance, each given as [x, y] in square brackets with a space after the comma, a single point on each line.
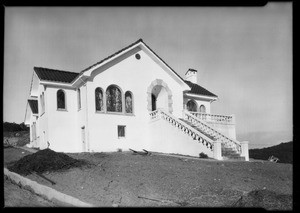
[14, 196]
[127, 180]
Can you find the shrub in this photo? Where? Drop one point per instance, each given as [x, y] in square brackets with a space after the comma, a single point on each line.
[203, 155]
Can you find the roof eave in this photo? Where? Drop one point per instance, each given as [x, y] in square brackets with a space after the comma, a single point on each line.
[202, 96]
[54, 83]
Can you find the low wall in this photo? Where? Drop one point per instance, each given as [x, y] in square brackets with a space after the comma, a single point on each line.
[44, 191]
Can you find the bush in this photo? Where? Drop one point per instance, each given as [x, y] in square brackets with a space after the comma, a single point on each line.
[203, 155]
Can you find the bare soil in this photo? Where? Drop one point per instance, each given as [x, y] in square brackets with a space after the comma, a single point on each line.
[127, 180]
[14, 196]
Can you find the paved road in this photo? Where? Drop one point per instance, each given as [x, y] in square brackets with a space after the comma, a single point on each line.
[14, 196]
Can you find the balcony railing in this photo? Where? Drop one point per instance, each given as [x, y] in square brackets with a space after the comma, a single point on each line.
[214, 118]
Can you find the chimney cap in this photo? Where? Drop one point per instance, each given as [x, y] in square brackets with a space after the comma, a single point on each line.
[191, 70]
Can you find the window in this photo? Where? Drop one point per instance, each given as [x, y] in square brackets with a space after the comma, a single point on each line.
[113, 99]
[79, 99]
[191, 106]
[121, 131]
[42, 100]
[99, 99]
[202, 109]
[61, 101]
[128, 102]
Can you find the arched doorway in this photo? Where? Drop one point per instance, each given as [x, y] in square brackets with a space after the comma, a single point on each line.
[191, 105]
[159, 96]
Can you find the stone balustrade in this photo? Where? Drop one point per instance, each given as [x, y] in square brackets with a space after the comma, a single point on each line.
[228, 142]
[185, 128]
[214, 118]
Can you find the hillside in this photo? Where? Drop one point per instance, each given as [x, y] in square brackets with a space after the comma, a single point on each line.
[283, 151]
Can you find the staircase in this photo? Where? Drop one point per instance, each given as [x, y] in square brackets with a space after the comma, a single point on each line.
[231, 149]
[202, 133]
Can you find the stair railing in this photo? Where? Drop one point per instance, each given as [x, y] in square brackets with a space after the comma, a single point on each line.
[215, 118]
[185, 128]
[228, 142]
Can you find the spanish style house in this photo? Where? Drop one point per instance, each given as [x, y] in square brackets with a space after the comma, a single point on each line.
[130, 100]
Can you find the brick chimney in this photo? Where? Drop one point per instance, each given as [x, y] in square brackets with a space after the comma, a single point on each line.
[191, 75]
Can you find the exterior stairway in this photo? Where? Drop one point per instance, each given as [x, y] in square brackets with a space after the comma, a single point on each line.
[202, 133]
[230, 148]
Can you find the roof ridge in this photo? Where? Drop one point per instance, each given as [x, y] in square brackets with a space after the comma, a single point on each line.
[110, 56]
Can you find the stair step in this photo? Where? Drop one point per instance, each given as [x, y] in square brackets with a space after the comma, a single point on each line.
[234, 158]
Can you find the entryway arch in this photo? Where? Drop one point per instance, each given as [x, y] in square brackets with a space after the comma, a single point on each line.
[159, 96]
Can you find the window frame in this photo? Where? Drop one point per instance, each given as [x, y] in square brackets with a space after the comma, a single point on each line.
[193, 101]
[124, 131]
[202, 105]
[103, 99]
[78, 99]
[132, 105]
[65, 101]
[122, 100]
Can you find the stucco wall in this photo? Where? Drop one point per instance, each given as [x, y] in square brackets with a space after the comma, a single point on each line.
[136, 76]
[169, 139]
[226, 129]
[199, 102]
[42, 123]
[62, 125]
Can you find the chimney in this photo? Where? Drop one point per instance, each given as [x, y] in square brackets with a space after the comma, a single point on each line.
[191, 75]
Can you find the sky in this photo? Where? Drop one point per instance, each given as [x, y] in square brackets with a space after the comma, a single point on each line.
[242, 54]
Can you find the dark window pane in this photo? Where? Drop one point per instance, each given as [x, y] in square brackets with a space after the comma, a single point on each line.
[191, 106]
[113, 99]
[128, 102]
[99, 99]
[60, 99]
[202, 109]
[121, 131]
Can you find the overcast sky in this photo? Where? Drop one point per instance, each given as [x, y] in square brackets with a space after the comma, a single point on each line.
[242, 54]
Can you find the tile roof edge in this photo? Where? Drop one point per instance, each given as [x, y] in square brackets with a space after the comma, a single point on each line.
[213, 95]
[163, 61]
[54, 70]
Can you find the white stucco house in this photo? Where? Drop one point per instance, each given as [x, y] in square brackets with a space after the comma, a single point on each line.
[130, 100]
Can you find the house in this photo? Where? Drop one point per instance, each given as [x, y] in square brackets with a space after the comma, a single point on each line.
[130, 100]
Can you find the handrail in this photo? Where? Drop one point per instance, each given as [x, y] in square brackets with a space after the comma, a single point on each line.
[194, 133]
[224, 119]
[223, 138]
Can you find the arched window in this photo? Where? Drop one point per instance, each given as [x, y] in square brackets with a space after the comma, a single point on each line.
[99, 99]
[191, 106]
[61, 99]
[79, 99]
[128, 102]
[202, 109]
[113, 99]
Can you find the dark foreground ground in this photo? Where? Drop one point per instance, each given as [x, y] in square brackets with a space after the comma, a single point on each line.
[123, 179]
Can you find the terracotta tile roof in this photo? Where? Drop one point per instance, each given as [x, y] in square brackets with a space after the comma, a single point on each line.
[34, 106]
[55, 75]
[197, 89]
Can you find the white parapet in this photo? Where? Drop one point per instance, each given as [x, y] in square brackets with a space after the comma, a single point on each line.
[245, 150]
[218, 150]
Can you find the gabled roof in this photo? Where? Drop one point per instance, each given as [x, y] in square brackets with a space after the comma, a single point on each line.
[34, 106]
[198, 90]
[55, 75]
[126, 48]
[112, 55]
